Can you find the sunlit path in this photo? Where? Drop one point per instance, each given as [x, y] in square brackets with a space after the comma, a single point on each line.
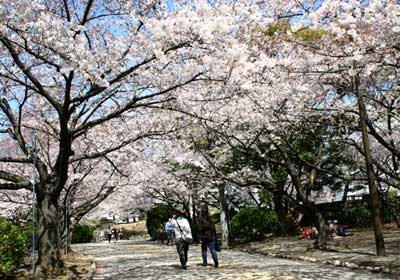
[147, 260]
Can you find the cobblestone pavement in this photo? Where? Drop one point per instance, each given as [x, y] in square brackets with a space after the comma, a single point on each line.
[148, 260]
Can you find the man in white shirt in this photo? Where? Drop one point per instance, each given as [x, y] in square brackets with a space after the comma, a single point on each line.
[183, 237]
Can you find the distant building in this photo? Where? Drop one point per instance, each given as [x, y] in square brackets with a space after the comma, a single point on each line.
[355, 192]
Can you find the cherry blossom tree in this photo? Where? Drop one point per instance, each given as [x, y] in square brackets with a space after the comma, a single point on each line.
[354, 61]
[304, 59]
[95, 78]
[74, 71]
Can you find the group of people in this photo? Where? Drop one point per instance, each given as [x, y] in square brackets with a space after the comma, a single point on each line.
[180, 231]
[114, 234]
[335, 229]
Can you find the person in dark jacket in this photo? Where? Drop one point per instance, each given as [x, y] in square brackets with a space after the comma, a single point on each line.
[207, 235]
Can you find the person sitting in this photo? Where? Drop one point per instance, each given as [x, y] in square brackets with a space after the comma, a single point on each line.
[314, 232]
[306, 233]
[340, 231]
[332, 228]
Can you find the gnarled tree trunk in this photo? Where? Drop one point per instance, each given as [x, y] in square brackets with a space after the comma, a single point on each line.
[49, 254]
[324, 234]
[287, 226]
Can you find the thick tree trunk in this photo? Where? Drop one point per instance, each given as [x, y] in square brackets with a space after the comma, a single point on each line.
[225, 232]
[286, 225]
[49, 254]
[324, 235]
[373, 190]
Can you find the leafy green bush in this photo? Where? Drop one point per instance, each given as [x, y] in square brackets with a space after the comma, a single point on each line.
[358, 212]
[355, 213]
[253, 223]
[12, 247]
[82, 234]
[156, 219]
[391, 208]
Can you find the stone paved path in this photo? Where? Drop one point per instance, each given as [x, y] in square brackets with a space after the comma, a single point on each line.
[125, 260]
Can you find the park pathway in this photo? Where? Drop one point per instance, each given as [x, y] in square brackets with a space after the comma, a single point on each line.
[125, 260]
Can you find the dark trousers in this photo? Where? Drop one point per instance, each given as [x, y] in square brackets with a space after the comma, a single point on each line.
[170, 236]
[211, 245]
[182, 247]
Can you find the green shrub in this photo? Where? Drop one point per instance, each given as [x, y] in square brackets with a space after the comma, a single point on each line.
[356, 213]
[82, 234]
[156, 219]
[253, 223]
[391, 209]
[12, 247]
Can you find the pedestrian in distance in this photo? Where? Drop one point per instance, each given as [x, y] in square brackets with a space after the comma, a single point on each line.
[183, 237]
[114, 234]
[108, 234]
[208, 235]
[120, 234]
[162, 236]
[170, 231]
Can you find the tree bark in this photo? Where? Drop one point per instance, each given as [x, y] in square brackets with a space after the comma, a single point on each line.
[49, 254]
[373, 190]
[225, 232]
[281, 211]
[324, 234]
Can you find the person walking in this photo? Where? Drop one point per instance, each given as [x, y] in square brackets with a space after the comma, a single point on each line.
[170, 231]
[183, 237]
[114, 234]
[108, 234]
[208, 236]
[120, 234]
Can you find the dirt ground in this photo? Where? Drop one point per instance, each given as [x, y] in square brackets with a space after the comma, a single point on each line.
[364, 241]
[76, 267]
[357, 240]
